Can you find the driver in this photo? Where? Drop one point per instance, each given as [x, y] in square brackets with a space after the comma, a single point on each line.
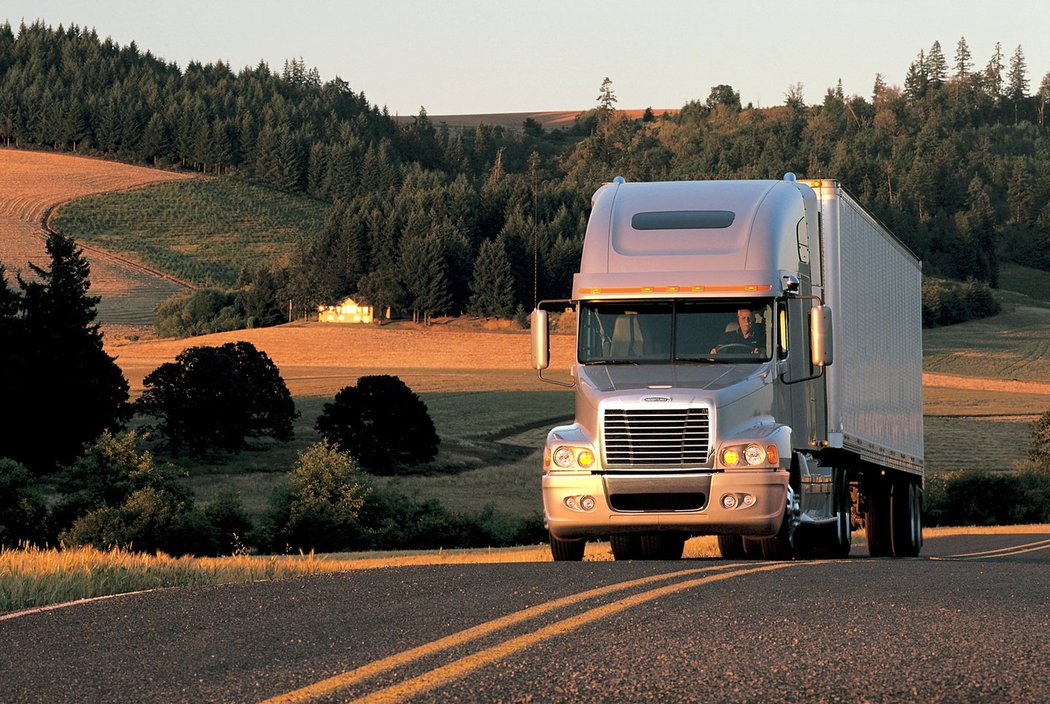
[746, 333]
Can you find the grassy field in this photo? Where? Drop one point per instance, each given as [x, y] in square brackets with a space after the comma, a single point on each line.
[34, 183]
[203, 231]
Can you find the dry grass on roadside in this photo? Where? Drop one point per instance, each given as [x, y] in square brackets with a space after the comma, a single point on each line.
[34, 577]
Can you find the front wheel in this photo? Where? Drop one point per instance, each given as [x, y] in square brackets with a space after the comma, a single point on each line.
[662, 546]
[566, 550]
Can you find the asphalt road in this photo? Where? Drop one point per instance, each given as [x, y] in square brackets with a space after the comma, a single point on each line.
[950, 626]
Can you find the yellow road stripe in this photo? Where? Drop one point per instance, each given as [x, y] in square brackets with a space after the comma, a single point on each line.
[372, 669]
[1000, 552]
[458, 668]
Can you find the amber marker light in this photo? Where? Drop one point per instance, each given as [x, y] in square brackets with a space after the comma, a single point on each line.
[547, 457]
[773, 454]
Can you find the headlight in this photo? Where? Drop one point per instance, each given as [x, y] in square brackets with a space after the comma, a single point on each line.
[563, 457]
[566, 457]
[750, 455]
[754, 454]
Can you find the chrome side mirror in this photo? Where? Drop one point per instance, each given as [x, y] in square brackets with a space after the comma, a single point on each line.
[541, 348]
[820, 335]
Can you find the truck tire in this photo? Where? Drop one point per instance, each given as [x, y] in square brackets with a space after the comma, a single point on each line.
[626, 546]
[878, 517]
[567, 550]
[732, 547]
[840, 536]
[662, 546]
[778, 547]
[906, 506]
[833, 540]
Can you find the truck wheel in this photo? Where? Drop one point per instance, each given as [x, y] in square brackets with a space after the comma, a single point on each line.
[906, 506]
[778, 547]
[626, 547]
[878, 518]
[731, 547]
[840, 536]
[662, 546]
[752, 548]
[567, 550]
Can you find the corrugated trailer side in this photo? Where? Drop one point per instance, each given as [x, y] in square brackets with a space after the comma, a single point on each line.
[873, 284]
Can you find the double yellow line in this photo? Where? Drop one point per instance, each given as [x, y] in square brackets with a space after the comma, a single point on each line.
[1000, 552]
[458, 668]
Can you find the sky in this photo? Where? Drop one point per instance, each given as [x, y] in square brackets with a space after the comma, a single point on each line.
[492, 56]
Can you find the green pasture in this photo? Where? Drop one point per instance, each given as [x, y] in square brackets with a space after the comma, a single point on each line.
[202, 230]
[490, 453]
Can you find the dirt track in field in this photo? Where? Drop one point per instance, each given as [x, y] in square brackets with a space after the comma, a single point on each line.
[33, 184]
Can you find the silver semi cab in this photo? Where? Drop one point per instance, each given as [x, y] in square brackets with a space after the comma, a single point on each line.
[748, 365]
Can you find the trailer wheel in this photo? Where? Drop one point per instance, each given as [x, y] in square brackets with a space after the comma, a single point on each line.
[626, 546]
[732, 547]
[878, 517]
[567, 550]
[662, 546]
[906, 506]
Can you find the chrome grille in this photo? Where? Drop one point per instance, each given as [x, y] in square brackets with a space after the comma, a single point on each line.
[667, 437]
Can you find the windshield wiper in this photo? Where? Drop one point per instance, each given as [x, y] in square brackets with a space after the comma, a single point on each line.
[611, 362]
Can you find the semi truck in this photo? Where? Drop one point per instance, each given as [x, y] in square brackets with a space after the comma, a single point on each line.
[748, 365]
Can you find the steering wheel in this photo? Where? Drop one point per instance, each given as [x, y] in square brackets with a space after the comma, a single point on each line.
[734, 347]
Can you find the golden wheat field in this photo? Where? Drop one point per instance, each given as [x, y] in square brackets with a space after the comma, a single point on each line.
[318, 359]
[33, 184]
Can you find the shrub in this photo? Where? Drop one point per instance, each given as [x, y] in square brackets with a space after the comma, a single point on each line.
[319, 506]
[946, 302]
[23, 513]
[1039, 447]
[973, 498]
[381, 422]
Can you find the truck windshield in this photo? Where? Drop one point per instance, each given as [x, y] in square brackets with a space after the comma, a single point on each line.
[675, 331]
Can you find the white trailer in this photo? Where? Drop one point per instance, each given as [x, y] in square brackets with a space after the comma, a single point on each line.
[712, 395]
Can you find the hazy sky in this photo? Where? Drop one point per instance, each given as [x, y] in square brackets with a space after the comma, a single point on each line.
[485, 56]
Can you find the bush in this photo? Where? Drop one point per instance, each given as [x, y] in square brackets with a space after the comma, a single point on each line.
[23, 514]
[381, 422]
[199, 312]
[117, 496]
[319, 507]
[946, 302]
[1039, 447]
[974, 498]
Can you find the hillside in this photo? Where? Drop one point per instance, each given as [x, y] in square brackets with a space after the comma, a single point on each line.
[35, 184]
[556, 119]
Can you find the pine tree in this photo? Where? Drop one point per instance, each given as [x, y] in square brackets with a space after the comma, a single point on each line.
[73, 390]
[963, 60]
[937, 66]
[493, 284]
[1017, 82]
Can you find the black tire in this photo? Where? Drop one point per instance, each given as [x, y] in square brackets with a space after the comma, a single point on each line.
[732, 547]
[626, 546]
[662, 546]
[839, 540]
[878, 517]
[567, 550]
[906, 508]
[752, 548]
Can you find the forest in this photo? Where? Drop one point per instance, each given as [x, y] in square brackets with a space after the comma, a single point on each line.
[432, 220]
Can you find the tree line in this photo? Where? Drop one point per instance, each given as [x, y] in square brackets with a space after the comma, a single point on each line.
[485, 220]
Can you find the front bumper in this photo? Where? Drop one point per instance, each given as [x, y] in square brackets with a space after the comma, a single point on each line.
[762, 518]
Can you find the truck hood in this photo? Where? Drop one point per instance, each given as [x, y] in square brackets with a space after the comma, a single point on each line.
[707, 377]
